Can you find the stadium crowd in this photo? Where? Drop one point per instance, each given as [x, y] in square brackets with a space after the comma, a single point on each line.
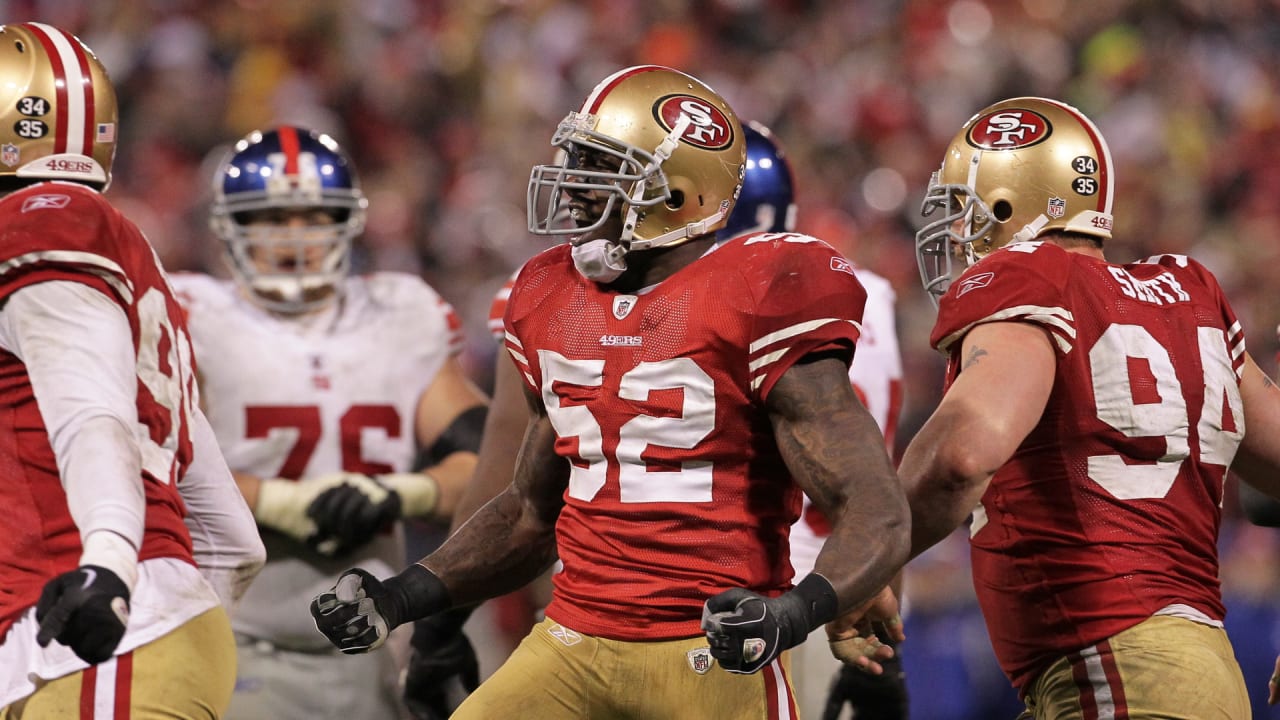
[445, 104]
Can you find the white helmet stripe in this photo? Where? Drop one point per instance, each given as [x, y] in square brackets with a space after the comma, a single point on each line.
[75, 90]
[1104, 154]
[597, 95]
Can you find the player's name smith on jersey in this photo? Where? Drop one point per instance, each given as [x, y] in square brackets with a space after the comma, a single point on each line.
[1153, 290]
[621, 340]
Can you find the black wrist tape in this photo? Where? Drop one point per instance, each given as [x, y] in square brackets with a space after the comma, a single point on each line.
[414, 593]
[819, 598]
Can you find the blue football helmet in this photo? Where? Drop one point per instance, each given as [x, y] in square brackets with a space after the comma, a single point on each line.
[287, 204]
[767, 201]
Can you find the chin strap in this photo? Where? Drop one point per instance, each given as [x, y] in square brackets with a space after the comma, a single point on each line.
[638, 190]
[681, 234]
[600, 260]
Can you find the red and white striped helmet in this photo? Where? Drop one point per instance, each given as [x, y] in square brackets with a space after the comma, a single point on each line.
[57, 109]
[1016, 170]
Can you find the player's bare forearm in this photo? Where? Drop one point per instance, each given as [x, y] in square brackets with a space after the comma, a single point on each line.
[976, 429]
[834, 449]
[942, 491]
[511, 539]
[1257, 460]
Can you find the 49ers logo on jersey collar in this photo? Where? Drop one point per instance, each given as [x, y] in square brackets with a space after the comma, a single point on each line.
[1009, 129]
[709, 129]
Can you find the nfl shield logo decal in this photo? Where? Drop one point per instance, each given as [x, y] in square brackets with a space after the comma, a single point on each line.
[9, 154]
[700, 660]
[622, 305]
[1057, 207]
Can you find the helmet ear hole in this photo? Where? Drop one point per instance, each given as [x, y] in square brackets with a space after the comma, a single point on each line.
[677, 200]
[1002, 210]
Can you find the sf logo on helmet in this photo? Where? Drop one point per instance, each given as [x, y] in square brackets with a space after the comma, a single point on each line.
[1009, 130]
[709, 128]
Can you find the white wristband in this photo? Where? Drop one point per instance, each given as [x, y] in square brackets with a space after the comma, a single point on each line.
[111, 551]
[282, 505]
[419, 492]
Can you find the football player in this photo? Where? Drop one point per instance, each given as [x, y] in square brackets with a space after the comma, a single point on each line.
[823, 684]
[684, 395]
[338, 401]
[105, 449]
[1091, 413]
[442, 666]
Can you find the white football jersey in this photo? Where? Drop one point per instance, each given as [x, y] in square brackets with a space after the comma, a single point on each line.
[876, 375]
[302, 397]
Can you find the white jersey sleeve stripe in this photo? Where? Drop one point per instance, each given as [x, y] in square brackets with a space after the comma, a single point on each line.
[1058, 319]
[792, 331]
[107, 269]
[766, 359]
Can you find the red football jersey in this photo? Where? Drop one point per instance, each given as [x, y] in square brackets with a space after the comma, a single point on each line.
[1109, 510]
[61, 231]
[677, 488]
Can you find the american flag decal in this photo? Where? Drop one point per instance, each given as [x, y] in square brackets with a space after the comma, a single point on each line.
[106, 133]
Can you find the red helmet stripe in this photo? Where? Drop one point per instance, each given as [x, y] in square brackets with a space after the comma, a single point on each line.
[289, 146]
[59, 83]
[90, 123]
[602, 90]
[74, 114]
[1104, 157]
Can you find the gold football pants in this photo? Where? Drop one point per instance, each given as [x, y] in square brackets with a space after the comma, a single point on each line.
[557, 673]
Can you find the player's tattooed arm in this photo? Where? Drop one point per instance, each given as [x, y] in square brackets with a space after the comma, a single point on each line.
[835, 451]
[972, 357]
[989, 409]
[511, 539]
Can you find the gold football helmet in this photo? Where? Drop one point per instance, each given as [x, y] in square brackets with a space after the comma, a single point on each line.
[666, 149]
[57, 109]
[1016, 170]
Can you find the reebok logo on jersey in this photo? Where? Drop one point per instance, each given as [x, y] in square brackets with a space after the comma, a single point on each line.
[621, 341]
[700, 660]
[45, 202]
[980, 280]
[564, 635]
[839, 264]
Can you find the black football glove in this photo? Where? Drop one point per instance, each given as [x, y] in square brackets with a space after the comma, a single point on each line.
[747, 631]
[85, 609]
[443, 669]
[351, 514]
[873, 697]
[360, 611]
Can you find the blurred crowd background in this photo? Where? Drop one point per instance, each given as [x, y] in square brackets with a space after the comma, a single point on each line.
[446, 104]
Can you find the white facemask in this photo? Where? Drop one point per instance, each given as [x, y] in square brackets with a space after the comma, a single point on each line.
[600, 260]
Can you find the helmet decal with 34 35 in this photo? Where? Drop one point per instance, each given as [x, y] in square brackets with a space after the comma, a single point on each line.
[1016, 170]
[287, 204]
[59, 117]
